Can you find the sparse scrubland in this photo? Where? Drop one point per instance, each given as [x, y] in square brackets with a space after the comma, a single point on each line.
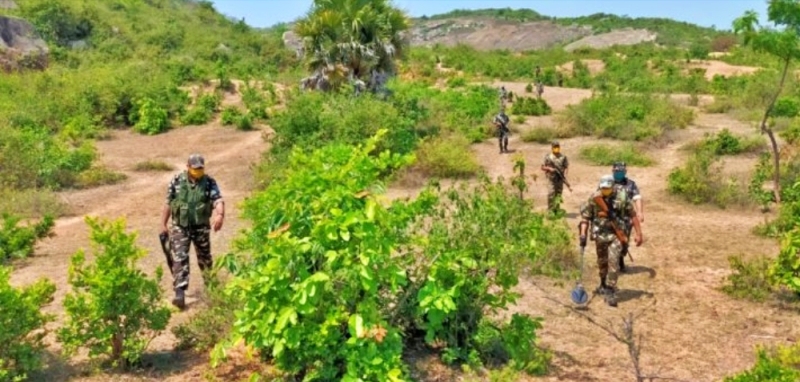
[331, 276]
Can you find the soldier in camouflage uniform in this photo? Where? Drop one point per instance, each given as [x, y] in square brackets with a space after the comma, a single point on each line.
[192, 198]
[501, 121]
[555, 167]
[622, 182]
[608, 243]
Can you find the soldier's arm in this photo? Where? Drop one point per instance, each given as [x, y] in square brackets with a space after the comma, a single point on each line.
[637, 202]
[636, 224]
[219, 204]
[566, 166]
[165, 210]
[545, 165]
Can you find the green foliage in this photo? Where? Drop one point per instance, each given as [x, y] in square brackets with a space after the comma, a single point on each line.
[529, 88]
[334, 279]
[605, 155]
[785, 271]
[775, 365]
[447, 156]
[152, 118]
[699, 51]
[231, 115]
[761, 174]
[530, 106]
[114, 309]
[521, 15]
[786, 107]
[210, 325]
[17, 241]
[98, 176]
[456, 82]
[32, 204]
[625, 116]
[750, 279]
[22, 326]
[700, 180]
[335, 48]
[726, 143]
[670, 32]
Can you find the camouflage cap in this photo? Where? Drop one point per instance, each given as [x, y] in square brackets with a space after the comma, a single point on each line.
[619, 166]
[555, 144]
[607, 181]
[196, 161]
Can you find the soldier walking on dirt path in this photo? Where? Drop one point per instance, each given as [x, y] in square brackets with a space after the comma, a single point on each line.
[556, 168]
[606, 210]
[192, 198]
[501, 121]
[623, 183]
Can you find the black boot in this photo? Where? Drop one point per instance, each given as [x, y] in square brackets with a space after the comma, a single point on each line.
[622, 264]
[601, 289]
[179, 299]
[611, 298]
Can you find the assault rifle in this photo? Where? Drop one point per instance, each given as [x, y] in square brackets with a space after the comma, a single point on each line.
[166, 246]
[563, 178]
[609, 214]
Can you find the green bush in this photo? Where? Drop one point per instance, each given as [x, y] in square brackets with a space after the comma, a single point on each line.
[230, 115]
[786, 107]
[726, 143]
[447, 156]
[31, 204]
[785, 271]
[152, 118]
[775, 365]
[98, 176]
[625, 116]
[337, 282]
[456, 82]
[17, 241]
[529, 88]
[152, 165]
[750, 280]
[196, 116]
[605, 155]
[700, 180]
[212, 324]
[114, 309]
[530, 106]
[23, 326]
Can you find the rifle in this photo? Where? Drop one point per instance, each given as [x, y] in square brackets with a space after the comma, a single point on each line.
[561, 175]
[167, 248]
[604, 208]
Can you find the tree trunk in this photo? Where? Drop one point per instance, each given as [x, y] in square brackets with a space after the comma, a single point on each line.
[771, 134]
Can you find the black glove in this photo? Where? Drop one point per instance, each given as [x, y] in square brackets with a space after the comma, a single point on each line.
[583, 241]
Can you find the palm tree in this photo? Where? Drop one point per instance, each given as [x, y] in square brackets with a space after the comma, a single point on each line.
[351, 38]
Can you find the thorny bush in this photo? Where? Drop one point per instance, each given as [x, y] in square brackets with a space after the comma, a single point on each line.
[335, 280]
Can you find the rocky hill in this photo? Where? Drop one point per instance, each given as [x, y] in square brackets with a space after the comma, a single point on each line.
[525, 29]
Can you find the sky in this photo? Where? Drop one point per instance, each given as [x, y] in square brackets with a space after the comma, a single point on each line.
[718, 13]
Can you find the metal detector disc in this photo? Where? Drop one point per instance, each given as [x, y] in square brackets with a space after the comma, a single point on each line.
[579, 295]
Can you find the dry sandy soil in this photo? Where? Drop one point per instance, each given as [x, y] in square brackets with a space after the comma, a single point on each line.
[692, 331]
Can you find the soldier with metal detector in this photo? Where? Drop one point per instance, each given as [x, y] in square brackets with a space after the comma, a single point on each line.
[606, 211]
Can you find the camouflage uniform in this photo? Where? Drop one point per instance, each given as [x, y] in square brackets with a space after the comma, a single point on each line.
[556, 185]
[501, 119]
[608, 246]
[191, 228]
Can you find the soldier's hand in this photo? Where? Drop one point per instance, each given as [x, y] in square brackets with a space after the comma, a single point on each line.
[217, 225]
[641, 218]
[583, 240]
[639, 239]
[164, 229]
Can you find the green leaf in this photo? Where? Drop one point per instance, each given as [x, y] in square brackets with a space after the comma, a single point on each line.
[356, 326]
[345, 234]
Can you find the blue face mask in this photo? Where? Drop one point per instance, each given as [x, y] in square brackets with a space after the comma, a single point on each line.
[619, 176]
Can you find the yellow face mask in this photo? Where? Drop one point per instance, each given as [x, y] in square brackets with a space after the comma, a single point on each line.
[556, 150]
[196, 173]
[606, 191]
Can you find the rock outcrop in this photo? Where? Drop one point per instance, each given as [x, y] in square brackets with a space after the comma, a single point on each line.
[20, 46]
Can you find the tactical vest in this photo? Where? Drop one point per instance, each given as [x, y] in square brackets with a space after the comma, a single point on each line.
[191, 206]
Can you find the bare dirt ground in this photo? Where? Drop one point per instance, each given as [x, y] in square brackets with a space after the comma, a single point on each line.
[692, 331]
[714, 67]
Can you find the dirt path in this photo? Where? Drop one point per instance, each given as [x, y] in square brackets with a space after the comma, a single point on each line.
[693, 332]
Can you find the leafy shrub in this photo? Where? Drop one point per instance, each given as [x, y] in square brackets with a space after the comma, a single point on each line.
[230, 115]
[530, 106]
[152, 118]
[209, 102]
[114, 310]
[792, 133]
[22, 331]
[785, 271]
[98, 176]
[750, 280]
[447, 156]
[456, 82]
[31, 204]
[625, 116]
[244, 122]
[519, 119]
[196, 116]
[786, 107]
[776, 365]
[698, 51]
[723, 43]
[529, 88]
[700, 180]
[337, 279]
[726, 143]
[605, 155]
[211, 325]
[17, 241]
[720, 105]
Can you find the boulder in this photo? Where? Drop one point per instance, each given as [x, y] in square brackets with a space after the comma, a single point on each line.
[292, 41]
[20, 46]
[8, 4]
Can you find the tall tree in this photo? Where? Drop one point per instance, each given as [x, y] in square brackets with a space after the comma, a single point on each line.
[781, 41]
[352, 37]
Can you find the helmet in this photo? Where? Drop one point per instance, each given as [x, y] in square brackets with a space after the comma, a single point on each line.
[607, 181]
